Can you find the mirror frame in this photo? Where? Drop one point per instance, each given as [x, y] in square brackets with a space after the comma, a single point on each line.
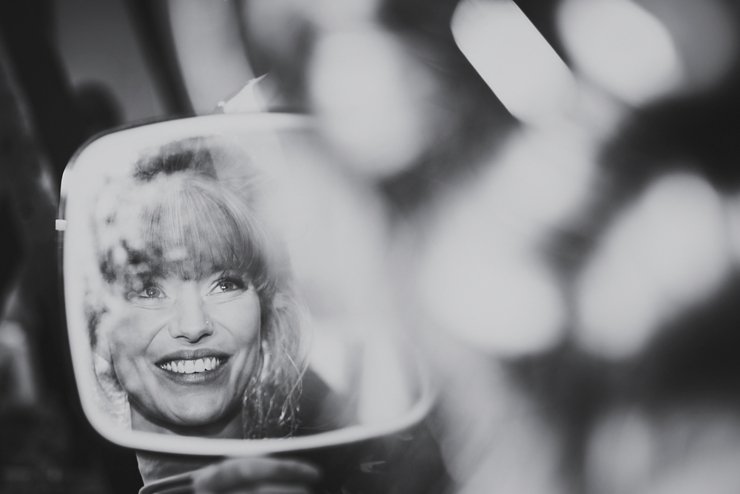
[79, 343]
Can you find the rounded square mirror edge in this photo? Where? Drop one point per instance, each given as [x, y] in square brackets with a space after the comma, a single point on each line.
[82, 359]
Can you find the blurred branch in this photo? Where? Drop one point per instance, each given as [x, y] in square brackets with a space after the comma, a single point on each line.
[150, 24]
[24, 28]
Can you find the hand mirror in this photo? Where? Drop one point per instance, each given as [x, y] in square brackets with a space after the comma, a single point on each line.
[226, 294]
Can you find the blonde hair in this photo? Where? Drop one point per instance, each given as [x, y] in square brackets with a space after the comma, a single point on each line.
[183, 211]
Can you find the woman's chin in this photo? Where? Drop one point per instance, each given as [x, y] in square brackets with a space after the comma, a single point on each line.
[200, 419]
[184, 419]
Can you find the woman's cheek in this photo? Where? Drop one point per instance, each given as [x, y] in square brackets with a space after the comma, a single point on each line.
[241, 317]
[138, 327]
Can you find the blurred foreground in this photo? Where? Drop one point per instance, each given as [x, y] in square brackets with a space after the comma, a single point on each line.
[549, 189]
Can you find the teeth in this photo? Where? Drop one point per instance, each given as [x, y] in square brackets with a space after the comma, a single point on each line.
[192, 366]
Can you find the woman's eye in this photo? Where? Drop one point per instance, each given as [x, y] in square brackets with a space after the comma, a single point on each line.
[150, 292]
[225, 285]
[151, 296]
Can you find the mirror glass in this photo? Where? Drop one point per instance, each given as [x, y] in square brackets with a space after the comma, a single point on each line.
[225, 291]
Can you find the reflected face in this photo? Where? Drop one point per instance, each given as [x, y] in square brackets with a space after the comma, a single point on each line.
[184, 350]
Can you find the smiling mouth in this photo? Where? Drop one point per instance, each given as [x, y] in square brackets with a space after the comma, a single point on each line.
[192, 366]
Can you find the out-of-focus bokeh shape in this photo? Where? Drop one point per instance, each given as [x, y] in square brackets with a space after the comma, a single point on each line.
[97, 43]
[18, 380]
[667, 251]
[621, 450]
[483, 272]
[732, 217]
[705, 35]
[344, 278]
[621, 47]
[372, 100]
[688, 452]
[517, 63]
[209, 50]
[494, 438]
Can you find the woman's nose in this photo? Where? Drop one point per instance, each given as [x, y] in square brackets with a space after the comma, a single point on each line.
[190, 321]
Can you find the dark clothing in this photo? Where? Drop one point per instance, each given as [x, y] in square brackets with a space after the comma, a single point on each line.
[405, 462]
[319, 410]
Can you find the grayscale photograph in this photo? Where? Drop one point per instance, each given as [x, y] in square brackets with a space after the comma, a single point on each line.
[370, 247]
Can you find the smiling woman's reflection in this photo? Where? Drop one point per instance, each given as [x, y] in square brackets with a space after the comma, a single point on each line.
[198, 328]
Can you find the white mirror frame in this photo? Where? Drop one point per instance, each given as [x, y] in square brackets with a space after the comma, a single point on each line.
[140, 137]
